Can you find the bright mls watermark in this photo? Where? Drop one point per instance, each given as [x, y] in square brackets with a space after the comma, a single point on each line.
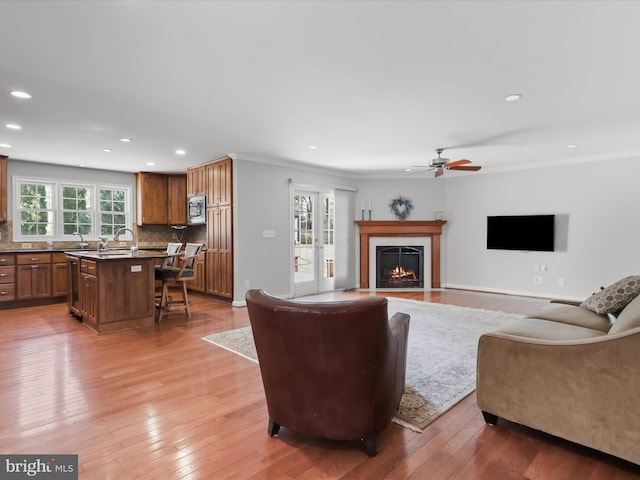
[50, 467]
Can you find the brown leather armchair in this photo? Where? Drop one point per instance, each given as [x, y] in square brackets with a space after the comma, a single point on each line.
[330, 369]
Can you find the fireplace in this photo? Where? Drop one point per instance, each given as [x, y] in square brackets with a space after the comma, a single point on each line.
[400, 266]
[400, 232]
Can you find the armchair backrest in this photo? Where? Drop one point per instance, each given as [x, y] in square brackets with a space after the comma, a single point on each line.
[329, 368]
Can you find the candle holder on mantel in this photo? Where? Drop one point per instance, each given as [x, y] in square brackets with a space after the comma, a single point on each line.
[369, 214]
[363, 214]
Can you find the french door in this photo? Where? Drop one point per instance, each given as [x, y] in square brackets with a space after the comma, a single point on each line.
[313, 246]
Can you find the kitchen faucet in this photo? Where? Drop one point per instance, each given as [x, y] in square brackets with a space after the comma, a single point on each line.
[82, 244]
[134, 247]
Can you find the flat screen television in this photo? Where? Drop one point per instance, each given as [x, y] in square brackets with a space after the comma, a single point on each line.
[521, 232]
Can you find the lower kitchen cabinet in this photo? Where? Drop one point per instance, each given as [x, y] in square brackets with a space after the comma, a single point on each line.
[59, 275]
[7, 277]
[114, 294]
[33, 274]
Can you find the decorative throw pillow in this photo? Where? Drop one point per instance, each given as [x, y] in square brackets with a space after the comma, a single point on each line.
[615, 297]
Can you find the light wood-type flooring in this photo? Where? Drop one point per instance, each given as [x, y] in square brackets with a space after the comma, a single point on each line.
[161, 403]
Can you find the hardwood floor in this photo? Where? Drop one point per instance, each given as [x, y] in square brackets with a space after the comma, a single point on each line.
[160, 403]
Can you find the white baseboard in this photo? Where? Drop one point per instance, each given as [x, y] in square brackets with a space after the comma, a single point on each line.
[511, 292]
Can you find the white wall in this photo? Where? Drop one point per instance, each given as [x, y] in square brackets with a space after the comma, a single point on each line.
[262, 203]
[426, 194]
[599, 235]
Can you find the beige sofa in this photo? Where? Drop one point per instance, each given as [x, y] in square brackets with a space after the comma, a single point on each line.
[567, 371]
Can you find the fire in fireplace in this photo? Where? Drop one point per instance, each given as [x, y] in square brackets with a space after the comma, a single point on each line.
[399, 266]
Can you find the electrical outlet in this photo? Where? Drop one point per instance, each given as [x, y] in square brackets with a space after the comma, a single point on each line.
[543, 267]
[536, 268]
[537, 280]
[26, 245]
[122, 244]
[246, 283]
[561, 281]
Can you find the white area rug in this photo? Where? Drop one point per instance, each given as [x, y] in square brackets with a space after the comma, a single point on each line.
[441, 355]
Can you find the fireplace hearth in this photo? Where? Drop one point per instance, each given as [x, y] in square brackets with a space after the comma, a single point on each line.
[399, 266]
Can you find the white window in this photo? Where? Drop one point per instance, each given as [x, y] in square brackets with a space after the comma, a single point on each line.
[56, 210]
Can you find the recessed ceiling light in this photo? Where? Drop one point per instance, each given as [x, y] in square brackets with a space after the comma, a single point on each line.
[5, 145]
[312, 147]
[408, 169]
[19, 94]
[513, 97]
[572, 146]
[180, 152]
[149, 164]
[125, 140]
[13, 126]
[107, 150]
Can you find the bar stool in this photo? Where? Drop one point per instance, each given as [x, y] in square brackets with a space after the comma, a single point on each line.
[178, 276]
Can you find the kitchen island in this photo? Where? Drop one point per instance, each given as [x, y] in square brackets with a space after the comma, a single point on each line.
[114, 290]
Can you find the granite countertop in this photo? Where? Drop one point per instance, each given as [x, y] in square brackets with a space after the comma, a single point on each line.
[69, 250]
[119, 254]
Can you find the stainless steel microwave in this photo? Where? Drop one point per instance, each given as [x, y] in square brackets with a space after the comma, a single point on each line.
[197, 210]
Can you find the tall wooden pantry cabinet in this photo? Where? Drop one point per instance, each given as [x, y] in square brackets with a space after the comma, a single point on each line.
[215, 180]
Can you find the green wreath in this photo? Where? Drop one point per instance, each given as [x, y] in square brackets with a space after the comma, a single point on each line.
[401, 207]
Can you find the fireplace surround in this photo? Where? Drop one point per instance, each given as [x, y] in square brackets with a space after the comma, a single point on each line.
[401, 228]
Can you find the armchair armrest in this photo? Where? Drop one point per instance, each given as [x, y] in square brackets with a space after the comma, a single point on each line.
[399, 324]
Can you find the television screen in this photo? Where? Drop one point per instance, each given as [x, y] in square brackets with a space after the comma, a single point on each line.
[521, 232]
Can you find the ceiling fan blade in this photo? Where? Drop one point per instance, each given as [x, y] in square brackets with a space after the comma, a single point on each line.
[439, 172]
[413, 172]
[471, 168]
[457, 163]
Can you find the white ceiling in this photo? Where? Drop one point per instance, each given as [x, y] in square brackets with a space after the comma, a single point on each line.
[376, 86]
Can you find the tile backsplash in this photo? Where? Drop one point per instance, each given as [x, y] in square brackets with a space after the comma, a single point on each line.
[148, 236]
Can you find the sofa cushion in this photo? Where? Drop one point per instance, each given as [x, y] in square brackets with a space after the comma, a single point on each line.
[629, 317]
[615, 297]
[572, 315]
[547, 330]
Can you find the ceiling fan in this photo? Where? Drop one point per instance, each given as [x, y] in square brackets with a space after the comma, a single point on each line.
[441, 164]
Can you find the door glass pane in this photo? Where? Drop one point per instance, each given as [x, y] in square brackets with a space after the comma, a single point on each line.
[328, 236]
[303, 238]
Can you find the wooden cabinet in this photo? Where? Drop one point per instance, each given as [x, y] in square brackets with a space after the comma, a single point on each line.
[88, 293]
[219, 182]
[59, 275]
[219, 256]
[113, 294]
[7, 277]
[199, 281]
[177, 200]
[215, 180]
[33, 274]
[152, 194]
[161, 199]
[3, 189]
[196, 181]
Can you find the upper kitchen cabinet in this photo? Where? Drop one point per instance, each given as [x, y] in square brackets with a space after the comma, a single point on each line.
[196, 181]
[161, 199]
[177, 206]
[3, 188]
[218, 182]
[152, 194]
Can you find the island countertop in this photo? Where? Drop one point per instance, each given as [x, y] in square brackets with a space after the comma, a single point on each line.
[118, 254]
